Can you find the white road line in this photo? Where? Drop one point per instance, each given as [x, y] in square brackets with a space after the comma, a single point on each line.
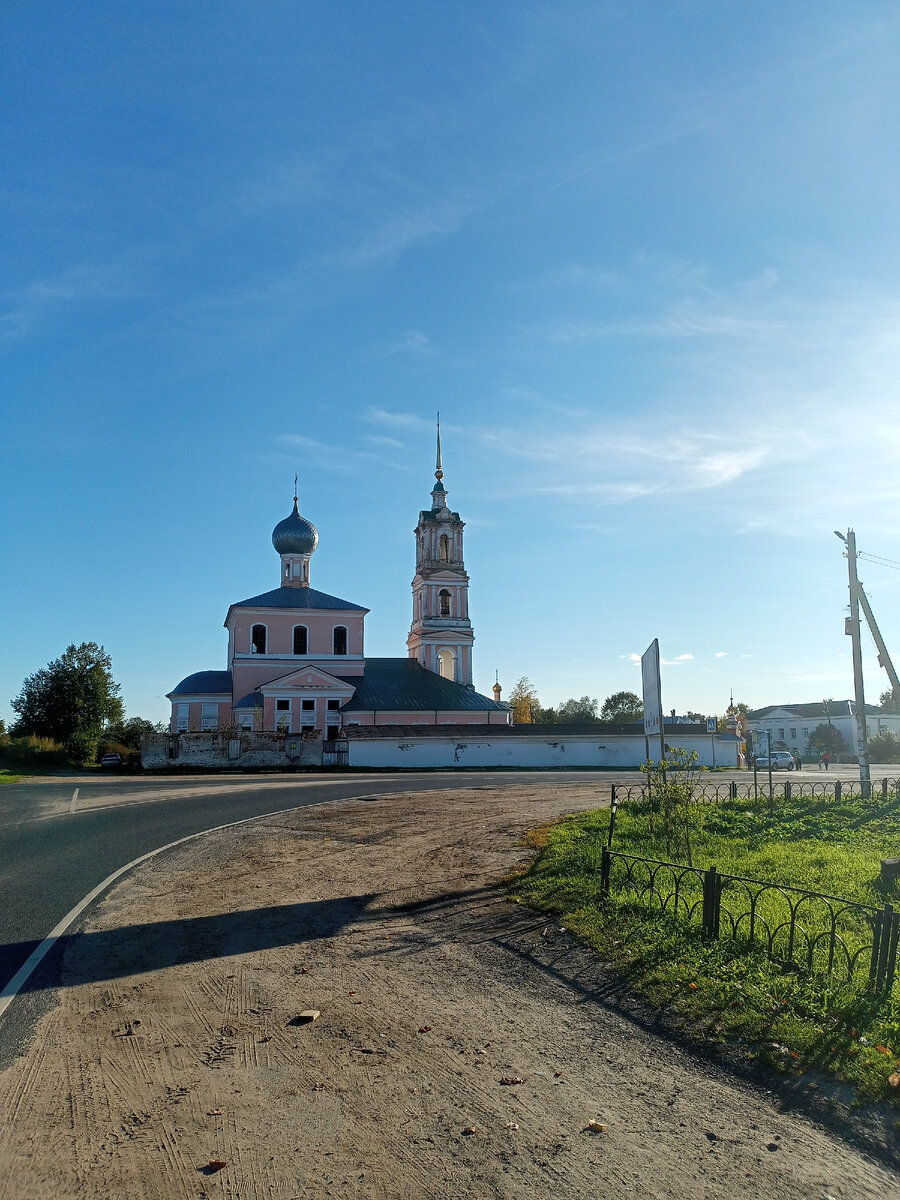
[74, 798]
[12, 989]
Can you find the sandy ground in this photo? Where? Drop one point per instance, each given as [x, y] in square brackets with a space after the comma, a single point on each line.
[463, 1045]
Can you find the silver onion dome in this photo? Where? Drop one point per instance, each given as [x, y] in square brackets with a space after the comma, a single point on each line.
[295, 535]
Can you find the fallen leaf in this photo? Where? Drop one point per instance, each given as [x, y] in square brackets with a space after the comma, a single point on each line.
[511, 1125]
[469, 1130]
[215, 1112]
[511, 1080]
[424, 1029]
[556, 1074]
[596, 1126]
[894, 1080]
[267, 1038]
[215, 1164]
[692, 986]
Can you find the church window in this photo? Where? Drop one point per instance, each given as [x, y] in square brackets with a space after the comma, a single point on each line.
[182, 717]
[308, 705]
[209, 716]
[258, 639]
[445, 548]
[340, 639]
[282, 715]
[301, 639]
[446, 664]
[445, 602]
[287, 570]
[334, 704]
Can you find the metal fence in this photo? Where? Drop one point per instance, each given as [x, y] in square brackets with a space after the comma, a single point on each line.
[808, 931]
[784, 789]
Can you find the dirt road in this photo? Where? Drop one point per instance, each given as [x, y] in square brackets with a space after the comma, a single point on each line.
[464, 1045]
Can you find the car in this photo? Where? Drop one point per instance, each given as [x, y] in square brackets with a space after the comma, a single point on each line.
[112, 761]
[782, 760]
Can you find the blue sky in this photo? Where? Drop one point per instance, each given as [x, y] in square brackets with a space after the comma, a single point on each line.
[643, 257]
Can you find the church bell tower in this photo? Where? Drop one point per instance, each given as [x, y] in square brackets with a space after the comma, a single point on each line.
[441, 636]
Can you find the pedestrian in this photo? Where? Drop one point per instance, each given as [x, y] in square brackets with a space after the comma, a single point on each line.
[798, 761]
[826, 759]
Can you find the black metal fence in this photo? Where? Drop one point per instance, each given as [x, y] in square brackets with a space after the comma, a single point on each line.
[784, 789]
[808, 931]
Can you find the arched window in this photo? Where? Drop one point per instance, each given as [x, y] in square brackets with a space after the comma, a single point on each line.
[445, 548]
[301, 639]
[340, 639]
[287, 570]
[446, 663]
[258, 639]
[444, 598]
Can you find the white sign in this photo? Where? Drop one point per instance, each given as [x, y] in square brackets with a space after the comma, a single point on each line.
[653, 718]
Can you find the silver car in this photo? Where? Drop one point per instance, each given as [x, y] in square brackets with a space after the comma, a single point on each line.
[782, 760]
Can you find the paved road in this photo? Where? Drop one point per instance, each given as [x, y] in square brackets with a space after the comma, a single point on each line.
[61, 837]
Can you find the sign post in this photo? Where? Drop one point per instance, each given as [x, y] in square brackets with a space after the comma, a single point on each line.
[652, 688]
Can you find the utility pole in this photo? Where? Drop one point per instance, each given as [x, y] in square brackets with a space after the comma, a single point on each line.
[862, 748]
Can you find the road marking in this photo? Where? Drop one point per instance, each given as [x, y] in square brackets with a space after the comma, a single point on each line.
[74, 798]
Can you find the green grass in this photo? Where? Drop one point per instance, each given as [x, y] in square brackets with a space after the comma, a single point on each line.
[8, 777]
[727, 991]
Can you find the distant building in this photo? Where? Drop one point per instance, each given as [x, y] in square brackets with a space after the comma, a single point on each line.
[790, 725]
[296, 656]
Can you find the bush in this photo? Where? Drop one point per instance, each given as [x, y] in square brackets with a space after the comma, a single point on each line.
[31, 751]
[81, 747]
[884, 747]
[114, 748]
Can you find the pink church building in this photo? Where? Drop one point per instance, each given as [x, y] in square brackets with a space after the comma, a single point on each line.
[296, 656]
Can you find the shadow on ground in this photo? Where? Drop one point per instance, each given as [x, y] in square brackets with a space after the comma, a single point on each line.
[136, 949]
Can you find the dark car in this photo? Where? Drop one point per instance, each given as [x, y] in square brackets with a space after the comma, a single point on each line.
[112, 761]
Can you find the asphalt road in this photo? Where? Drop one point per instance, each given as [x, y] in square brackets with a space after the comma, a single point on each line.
[61, 837]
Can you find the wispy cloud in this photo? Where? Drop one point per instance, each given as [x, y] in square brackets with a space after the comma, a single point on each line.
[413, 341]
[721, 654]
[399, 232]
[86, 283]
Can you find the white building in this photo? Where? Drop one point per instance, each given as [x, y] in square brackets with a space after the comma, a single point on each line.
[789, 725]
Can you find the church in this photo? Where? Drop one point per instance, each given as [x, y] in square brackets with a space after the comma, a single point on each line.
[296, 656]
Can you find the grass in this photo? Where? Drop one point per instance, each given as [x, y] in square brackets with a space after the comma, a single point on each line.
[8, 777]
[728, 991]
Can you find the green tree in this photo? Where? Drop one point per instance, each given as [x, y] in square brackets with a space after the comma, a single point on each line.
[623, 708]
[524, 701]
[827, 737]
[129, 733]
[884, 747]
[584, 709]
[889, 701]
[70, 700]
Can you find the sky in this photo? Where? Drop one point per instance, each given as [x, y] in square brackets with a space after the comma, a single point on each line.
[642, 257]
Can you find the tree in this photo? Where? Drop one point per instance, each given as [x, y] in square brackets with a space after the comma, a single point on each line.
[584, 709]
[622, 707]
[524, 701]
[889, 701]
[70, 700]
[884, 747]
[129, 733]
[827, 737]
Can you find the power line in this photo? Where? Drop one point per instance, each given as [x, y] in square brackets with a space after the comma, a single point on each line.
[876, 558]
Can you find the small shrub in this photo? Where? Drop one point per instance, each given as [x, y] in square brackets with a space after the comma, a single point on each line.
[31, 751]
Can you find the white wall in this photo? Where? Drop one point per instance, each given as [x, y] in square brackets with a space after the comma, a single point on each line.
[617, 750]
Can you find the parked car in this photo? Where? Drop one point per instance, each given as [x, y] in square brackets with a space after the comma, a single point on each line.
[112, 762]
[782, 760]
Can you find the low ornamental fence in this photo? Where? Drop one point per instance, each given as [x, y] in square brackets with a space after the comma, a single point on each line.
[809, 931]
[786, 789]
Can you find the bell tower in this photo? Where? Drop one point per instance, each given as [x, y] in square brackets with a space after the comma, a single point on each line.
[441, 636]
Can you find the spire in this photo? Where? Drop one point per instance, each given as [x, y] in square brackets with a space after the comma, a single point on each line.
[438, 492]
